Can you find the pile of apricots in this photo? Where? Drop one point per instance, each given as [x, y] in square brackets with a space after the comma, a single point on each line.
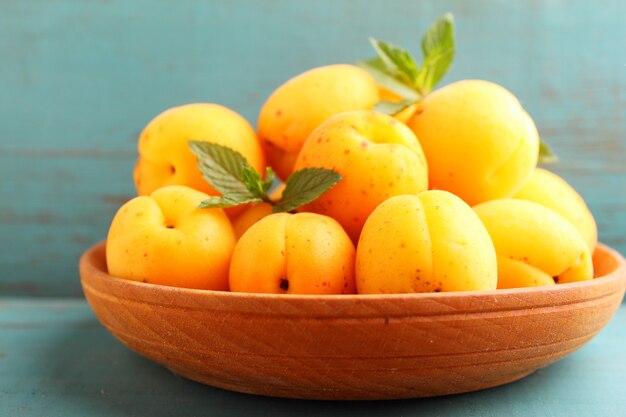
[444, 196]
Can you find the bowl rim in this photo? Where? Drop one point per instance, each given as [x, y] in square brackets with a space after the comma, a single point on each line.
[617, 276]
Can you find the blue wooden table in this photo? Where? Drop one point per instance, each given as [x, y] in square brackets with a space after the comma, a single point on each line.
[80, 79]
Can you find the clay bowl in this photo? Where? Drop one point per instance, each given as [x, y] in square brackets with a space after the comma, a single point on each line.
[357, 346]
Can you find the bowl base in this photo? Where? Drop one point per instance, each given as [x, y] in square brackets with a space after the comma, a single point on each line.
[331, 394]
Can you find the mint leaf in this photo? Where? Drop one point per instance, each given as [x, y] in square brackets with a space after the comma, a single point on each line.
[222, 167]
[252, 181]
[392, 107]
[377, 69]
[398, 61]
[270, 176]
[438, 49]
[546, 156]
[230, 174]
[224, 202]
[304, 186]
[396, 70]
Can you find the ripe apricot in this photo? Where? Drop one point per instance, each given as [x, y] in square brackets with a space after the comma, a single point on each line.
[551, 191]
[428, 242]
[166, 239]
[164, 154]
[302, 253]
[479, 142]
[302, 103]
[256, 212]
[535, 246]
[249, 216]
[377, 156]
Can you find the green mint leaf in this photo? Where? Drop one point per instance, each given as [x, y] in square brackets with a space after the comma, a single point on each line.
[224, 202]
[252, 181]
[270, 176]
[222, 167]
[438, 50]
[396, 70]
[377, 69]
[392, 107]
[398, 61]
[546, 156]
[304, 186]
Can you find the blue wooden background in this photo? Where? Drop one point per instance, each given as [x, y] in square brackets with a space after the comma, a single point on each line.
[79, 79]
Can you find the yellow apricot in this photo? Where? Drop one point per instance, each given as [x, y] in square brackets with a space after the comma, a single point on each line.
[302, 103]
[431, 241]
[250, 216]
[551, 191]
[518, 274]
[479, 142]
[256, 212]
[166, 239]
[386, 94]
[377, 156]
[529, 233]
[302, 253]
[164, 154]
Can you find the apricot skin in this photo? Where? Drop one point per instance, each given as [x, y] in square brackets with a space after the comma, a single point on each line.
[302, 103]
[377, 156]
[302, 253]
[166, 239]
[428, 242]
[250, 216]
[479, 142]
[256, 212]
[164, 154]
[551, 191]
[524, 232]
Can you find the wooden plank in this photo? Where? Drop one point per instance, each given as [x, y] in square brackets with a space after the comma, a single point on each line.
[80, 79]
[56, 360]
[62, 205]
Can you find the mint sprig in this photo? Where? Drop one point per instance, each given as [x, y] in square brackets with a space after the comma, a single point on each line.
[224, 169]
[396, 69]
[546, 156]
[377, 69]
[239, 183]
[305, 186]
[224, 202]
[438, 49]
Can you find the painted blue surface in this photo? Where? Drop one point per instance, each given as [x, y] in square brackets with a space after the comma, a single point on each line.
[79, 80]
[57, 360]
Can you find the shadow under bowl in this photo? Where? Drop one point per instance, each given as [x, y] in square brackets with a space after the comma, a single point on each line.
[354, 347]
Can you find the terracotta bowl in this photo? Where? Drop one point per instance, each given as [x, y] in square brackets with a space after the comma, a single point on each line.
[356, 346]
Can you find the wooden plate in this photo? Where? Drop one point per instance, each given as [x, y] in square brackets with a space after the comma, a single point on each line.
[355, 346]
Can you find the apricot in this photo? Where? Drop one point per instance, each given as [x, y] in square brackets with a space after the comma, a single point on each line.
[377, 156]
[256, 212]
[551, 191]
[302, 253]
[479, 142]
[164, 154]
[302, 103]
[166, 239]
[535, 246]
[249, 216]
[428, 242]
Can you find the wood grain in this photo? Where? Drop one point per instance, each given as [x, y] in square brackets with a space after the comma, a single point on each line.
[56, 360]
[356, 346]
[80, 80]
